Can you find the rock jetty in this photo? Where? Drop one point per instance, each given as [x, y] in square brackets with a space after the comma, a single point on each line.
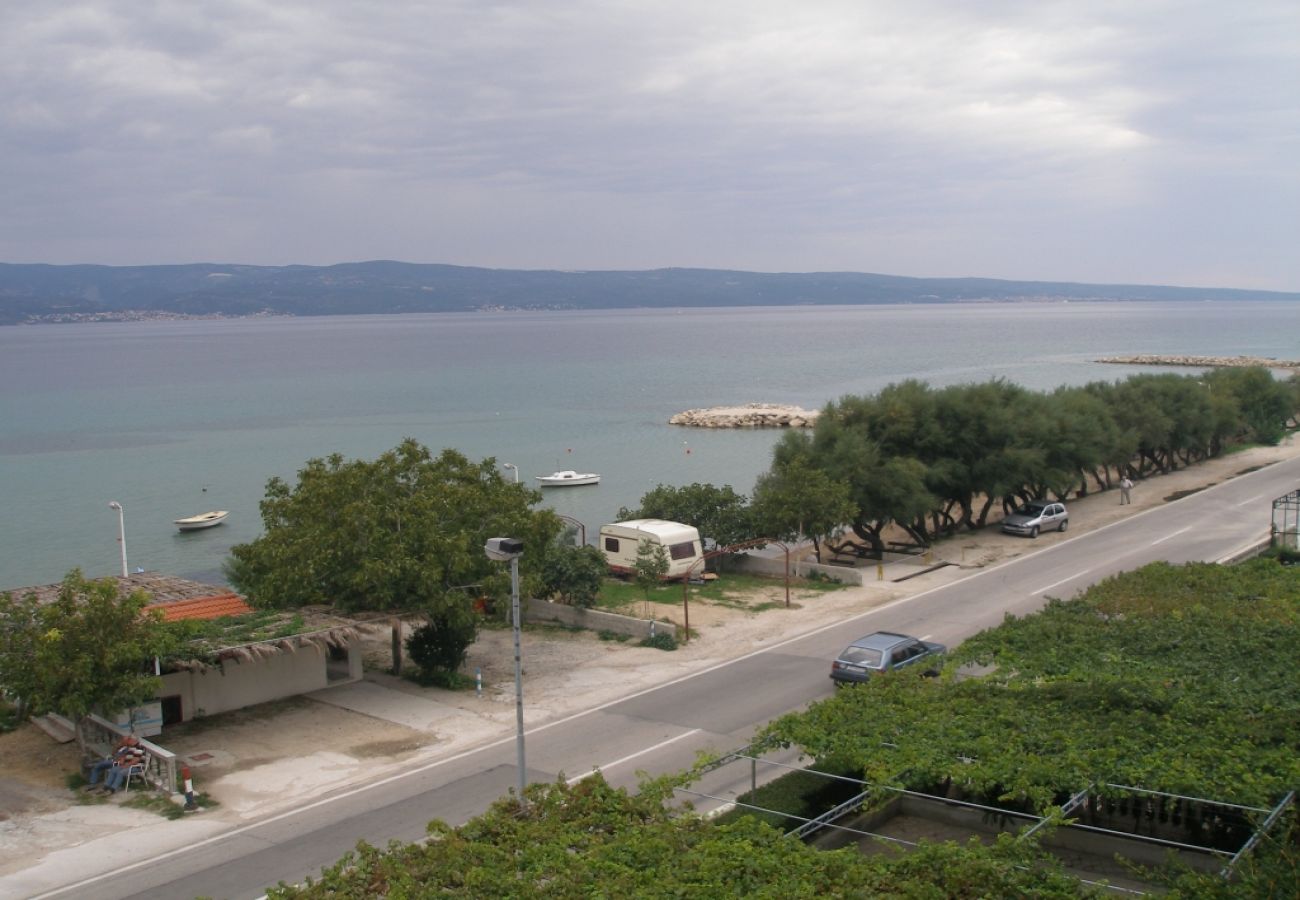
[1203, 362]
[751, 415]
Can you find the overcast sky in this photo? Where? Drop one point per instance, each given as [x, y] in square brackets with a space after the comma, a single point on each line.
[1133, 141]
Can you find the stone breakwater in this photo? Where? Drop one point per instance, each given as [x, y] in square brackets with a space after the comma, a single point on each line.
[752, 415]
[1204, 362]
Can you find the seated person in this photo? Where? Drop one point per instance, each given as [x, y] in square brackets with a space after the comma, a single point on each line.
[97, 769]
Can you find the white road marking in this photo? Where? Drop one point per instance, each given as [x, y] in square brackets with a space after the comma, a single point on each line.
[1043, 590]
[1171, 535]
[1255, 499]
[618, 762]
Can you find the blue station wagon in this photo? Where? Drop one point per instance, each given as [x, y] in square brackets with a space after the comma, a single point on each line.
[882, 651]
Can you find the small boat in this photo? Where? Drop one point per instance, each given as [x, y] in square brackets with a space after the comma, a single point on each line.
[568, 477]
[202, 520]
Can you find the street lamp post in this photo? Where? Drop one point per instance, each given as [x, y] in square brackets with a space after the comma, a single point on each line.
[512, 467]
[501, 550]
[121, 532]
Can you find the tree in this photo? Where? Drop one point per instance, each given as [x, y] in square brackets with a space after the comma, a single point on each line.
[651, 565]
[92, 649]
[574, 574]
[796, 501]
[439, 646]
[720, 514]
[405, 531]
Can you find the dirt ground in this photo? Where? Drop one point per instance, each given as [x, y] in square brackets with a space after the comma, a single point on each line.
[235, 755]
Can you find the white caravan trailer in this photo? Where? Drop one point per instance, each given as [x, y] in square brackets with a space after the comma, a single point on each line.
[620, 541]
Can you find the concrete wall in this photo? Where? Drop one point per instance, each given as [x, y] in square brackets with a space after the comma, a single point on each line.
[763, 565]
[593, 619]
[235, 684]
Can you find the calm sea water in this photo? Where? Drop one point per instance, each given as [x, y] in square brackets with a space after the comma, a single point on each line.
[176, 418]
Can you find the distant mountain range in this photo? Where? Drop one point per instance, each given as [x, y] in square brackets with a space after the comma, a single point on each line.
[46, 293]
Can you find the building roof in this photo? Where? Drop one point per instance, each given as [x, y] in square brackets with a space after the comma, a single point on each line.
[164, 589]
[216, 607]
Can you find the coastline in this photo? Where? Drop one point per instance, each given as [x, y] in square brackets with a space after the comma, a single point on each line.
[1203, 362]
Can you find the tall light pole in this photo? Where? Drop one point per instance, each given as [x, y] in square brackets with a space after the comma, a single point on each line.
[501, 550]
[514, 468]
[121, 532]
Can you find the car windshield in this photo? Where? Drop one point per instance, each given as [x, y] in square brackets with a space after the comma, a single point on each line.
[861, 656]
[1031, 509]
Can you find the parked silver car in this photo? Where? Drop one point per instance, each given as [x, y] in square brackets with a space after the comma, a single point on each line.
[1036, 516]
[882, 651]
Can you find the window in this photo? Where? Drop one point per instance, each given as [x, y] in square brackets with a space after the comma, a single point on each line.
[611, 544]
[684, 550]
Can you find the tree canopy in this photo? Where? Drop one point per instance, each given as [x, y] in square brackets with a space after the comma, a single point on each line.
[90, 650]
[404, 531]
[719, 513]
[933, 461]
[589, 839]
[1171, 678]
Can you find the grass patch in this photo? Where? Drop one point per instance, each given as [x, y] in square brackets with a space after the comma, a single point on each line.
[152, 801]
[613, 636]
[798, 796]
[737, 591]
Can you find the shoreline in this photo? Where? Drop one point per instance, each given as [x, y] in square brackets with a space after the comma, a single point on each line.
[1205, 362]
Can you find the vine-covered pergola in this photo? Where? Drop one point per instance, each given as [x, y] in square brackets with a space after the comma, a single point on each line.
[1286, 521]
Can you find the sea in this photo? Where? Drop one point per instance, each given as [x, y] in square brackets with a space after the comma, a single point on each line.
[174, 418]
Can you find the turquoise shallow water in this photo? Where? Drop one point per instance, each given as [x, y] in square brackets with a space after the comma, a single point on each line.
[175, 418]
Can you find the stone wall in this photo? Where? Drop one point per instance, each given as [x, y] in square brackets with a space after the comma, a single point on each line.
[594, 619]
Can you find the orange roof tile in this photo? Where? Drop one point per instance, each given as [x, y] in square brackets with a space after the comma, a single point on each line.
[214, 607]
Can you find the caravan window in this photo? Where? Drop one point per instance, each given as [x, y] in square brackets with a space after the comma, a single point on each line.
[611, 544]
[684, 550]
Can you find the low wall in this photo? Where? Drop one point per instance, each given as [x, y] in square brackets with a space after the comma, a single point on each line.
[594, 619]
[765, 565]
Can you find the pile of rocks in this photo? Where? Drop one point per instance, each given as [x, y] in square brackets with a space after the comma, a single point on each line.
[1203, 361]
[751, 415]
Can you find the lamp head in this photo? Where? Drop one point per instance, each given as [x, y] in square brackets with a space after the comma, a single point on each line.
[502, 549]
[113, 504]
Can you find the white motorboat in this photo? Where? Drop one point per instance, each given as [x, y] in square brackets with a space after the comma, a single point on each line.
[202, 520]
[568, 477]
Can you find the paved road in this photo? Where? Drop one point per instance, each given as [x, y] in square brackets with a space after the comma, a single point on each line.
[661, 729]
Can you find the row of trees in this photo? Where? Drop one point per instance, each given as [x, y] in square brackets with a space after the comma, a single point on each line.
[934, 461]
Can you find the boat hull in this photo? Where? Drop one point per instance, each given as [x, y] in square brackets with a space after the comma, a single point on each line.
[568, 479]
[202, 520]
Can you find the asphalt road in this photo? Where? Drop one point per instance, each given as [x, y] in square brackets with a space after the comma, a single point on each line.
[661, 729]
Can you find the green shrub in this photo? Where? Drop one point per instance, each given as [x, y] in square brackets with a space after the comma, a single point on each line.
[660, 641]
[441, 644]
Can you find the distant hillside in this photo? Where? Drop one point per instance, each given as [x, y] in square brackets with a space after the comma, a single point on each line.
[62, 293]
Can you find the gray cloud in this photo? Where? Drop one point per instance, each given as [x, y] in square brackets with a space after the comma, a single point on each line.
[1149, 142]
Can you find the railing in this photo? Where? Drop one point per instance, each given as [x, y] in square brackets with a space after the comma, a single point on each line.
[102, 736]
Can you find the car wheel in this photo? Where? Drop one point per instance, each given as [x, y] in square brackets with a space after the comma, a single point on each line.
[1033, 532]
[1065, 523]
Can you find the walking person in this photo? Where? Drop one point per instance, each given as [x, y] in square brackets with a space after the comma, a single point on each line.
[1125, 491]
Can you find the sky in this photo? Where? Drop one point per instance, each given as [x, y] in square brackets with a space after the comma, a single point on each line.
[1147, 142]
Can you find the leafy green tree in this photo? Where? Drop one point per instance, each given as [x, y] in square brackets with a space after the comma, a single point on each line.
[796, 501]
[404, 531]
[1263, 405]
[720, 514]
[91, 649]
[574, 574]
[650, 567]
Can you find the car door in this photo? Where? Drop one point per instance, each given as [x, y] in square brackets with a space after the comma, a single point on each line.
[905, 654]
